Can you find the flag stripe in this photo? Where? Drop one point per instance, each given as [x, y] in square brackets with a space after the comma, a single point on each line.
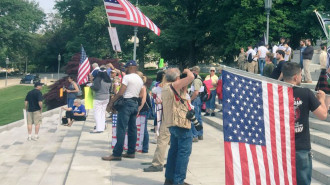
[278, 153]
[268, 128]
[282, 133]
[84, 68]
[292, 136]
[244, 164]
[287, 134]
[252, 170]
[255, 163]
[236, 164]
[261, 163]
[229, 164]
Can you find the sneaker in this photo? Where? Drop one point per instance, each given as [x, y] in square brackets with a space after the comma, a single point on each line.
[207, 114]
[200, 138]
[212, 114]
[195, 139]
[153, 169]
[29, 138]
[111, 158]
[36, 138]
[168, 182]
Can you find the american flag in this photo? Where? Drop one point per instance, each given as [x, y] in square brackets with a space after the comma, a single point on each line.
[258, 126]
[84, 68]
[123, 12]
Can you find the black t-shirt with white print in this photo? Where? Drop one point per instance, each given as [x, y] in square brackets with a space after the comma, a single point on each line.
[304, 101]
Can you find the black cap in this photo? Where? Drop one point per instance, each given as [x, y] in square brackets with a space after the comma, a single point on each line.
[38, 84]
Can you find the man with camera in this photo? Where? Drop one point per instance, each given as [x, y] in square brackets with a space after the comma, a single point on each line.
[130, 90]
[175, 112]
[196, 88]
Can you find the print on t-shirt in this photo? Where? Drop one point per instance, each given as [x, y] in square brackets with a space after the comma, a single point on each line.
[299, 127]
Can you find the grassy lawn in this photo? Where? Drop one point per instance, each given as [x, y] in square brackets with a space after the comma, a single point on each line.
[12, 102]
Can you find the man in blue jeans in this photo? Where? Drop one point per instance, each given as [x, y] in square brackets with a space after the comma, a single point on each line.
[304, 101]
[131, 91]
[196, 88]
[179, 126]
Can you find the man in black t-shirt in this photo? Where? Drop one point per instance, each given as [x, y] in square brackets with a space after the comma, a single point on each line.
[304, 101]
[33, 105]
[276, 74]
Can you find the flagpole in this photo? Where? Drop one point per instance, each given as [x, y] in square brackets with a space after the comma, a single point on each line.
[135, 35]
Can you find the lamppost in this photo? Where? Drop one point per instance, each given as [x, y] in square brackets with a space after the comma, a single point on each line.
[58, 70]
[268, 6]
[7, 63]
[135, 35]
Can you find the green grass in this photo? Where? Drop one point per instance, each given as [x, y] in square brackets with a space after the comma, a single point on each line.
[12, 102]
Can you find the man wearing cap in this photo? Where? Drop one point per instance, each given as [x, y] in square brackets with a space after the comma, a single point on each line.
[33, 105]
[196, 88]
[130, 90]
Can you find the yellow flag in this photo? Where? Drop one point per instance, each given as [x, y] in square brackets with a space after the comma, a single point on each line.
[88, 98]
[61, 92]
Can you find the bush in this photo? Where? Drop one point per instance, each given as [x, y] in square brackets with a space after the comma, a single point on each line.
[52, 98]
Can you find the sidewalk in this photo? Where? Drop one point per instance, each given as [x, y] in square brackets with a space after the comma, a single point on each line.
[206, 165]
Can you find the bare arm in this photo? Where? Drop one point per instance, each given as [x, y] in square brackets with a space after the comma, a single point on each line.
[26, 105]
[143, 96]
[120, 93]
[281, 77]
[321, 112]
[40, 104]
[195, 94]
[179, 84]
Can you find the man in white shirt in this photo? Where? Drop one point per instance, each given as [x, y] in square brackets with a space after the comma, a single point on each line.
[252, 61]
[287, 51]
[130, 90]
[275, 48]
[262, 51]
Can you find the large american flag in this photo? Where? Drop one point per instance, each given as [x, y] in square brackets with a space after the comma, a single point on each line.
[84, 68]
[258, 126]
[123, 12]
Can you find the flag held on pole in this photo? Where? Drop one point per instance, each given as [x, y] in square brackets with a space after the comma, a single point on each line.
[84, 68]
[123, 12]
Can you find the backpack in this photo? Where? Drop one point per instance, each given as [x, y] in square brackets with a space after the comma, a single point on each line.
[250, 59]
[206, 94]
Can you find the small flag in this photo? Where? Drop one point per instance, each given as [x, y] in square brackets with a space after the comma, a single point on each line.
[258, 127]
[84, 68]
[61, 92]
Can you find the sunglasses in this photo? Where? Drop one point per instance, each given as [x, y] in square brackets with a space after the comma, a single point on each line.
[212, 70]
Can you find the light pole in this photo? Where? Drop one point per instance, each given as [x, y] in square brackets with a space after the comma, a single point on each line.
[58, 70]
[268, 6]
[135, 35]
[7, 62]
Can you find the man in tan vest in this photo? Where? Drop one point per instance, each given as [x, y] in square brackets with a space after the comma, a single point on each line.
[179, 126]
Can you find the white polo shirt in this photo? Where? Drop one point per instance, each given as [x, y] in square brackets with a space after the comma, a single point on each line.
[134, 84]
[250, 51]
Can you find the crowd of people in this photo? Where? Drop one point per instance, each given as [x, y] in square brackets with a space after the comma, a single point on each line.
[175, 101]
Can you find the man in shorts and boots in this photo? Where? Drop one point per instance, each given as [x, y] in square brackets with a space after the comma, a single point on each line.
[304, 101]
[33, 105]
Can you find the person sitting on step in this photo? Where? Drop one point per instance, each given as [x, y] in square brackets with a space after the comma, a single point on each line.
[76, 113]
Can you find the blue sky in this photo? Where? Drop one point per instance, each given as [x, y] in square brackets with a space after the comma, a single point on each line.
[46, 5]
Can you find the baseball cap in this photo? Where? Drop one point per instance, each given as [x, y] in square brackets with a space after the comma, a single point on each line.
[130, 63]
[38, 84]
[212, 68]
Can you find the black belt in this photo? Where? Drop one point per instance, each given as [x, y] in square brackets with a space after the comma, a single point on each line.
[134, 99]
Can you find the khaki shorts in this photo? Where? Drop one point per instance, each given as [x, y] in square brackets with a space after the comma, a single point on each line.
[34, 118]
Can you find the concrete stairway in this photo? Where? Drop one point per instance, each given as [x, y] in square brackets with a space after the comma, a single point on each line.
[46, 161]
[320, 139]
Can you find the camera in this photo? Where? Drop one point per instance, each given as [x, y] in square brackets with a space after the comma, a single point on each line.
[191, 117]
[183, 75]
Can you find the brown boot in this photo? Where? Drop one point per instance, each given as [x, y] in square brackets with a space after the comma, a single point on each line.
[132, 156]
[111, 158]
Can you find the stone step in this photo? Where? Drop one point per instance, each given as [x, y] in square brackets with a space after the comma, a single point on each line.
[28, 157]
[315, 182]
[320, 138]
[323, 126]
[87, 165]
[36, 170]
[59, 167]
[321, 153]
[326, 121]
[321, 172]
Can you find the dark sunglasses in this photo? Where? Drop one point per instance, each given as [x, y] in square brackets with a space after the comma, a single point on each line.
[212, 70]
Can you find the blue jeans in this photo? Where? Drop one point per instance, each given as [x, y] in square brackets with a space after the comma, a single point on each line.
[262, 62]
[211, 103]
[126, 119]
[145, 144]
[304, 167]
[70, 102]
[178, 154]
[197, 103]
